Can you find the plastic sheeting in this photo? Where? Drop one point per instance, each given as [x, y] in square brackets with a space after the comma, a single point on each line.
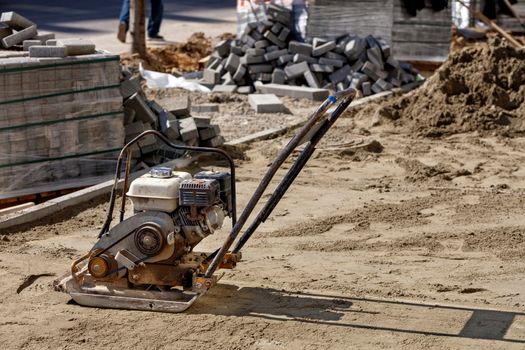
[157, 80]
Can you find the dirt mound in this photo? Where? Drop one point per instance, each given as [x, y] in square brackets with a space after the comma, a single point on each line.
[477, 89]
[173, 58]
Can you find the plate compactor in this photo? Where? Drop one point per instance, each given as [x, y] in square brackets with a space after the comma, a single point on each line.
[146, 261]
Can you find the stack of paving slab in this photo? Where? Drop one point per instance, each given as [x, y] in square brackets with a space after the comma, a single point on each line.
[60, 117]
[510, 23]
[424, 37]
[265, 58]
[15, 29]
[336, 18]
[170, 116]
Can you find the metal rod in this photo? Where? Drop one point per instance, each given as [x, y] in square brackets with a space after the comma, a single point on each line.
[514, 12]
[291, 175]
[109, 217]
[281, 158]
[126, 183]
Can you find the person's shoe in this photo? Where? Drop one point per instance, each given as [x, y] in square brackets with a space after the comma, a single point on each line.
[156, 37]
[122, 30]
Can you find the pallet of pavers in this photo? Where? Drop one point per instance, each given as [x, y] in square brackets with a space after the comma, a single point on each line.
[510, 23]
[424, 37]
[61, 122]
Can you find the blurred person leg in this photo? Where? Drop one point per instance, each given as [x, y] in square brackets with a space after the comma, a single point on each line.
[123, 25]
[156, 12]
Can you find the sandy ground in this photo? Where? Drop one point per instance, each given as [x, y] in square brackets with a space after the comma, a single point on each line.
[420, 246]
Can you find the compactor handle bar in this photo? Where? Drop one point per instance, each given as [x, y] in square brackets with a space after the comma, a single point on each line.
[344, 98]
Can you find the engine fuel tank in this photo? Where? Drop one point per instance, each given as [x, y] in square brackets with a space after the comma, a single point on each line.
[157, 190]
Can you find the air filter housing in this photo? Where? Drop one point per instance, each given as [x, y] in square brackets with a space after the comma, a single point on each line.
[225, 190]
[199, 192]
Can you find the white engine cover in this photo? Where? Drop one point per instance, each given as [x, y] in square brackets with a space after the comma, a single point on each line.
[150, 192]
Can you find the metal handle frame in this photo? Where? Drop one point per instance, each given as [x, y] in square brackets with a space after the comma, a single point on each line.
[126, 151]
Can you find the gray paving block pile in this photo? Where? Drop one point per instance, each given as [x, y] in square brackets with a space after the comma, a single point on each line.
[267, 53]
[63, 98]
[172, 116]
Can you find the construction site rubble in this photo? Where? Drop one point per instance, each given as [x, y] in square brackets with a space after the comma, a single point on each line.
[175, 58]
[171, 116]
[266, 54]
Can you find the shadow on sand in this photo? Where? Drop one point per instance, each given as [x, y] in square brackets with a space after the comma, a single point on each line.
[376, 314]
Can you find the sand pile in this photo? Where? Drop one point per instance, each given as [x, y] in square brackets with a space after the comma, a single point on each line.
[477, 89]
[173, 58]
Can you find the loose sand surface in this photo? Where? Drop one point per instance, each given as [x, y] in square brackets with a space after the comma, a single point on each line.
[419, 246]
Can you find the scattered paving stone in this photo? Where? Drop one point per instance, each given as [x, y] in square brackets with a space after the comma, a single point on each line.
[294, 91]
[205, 108]
[76, 47]
[47, 51]
[225, 88]
[202, 121]
[265, 103]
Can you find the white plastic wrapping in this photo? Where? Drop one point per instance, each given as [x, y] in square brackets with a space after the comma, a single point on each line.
[157, 80]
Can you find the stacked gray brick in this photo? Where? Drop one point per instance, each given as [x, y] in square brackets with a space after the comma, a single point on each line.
[171, 116]
[18, 32]
[15, 29]
[265, 53]
[83, 122]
